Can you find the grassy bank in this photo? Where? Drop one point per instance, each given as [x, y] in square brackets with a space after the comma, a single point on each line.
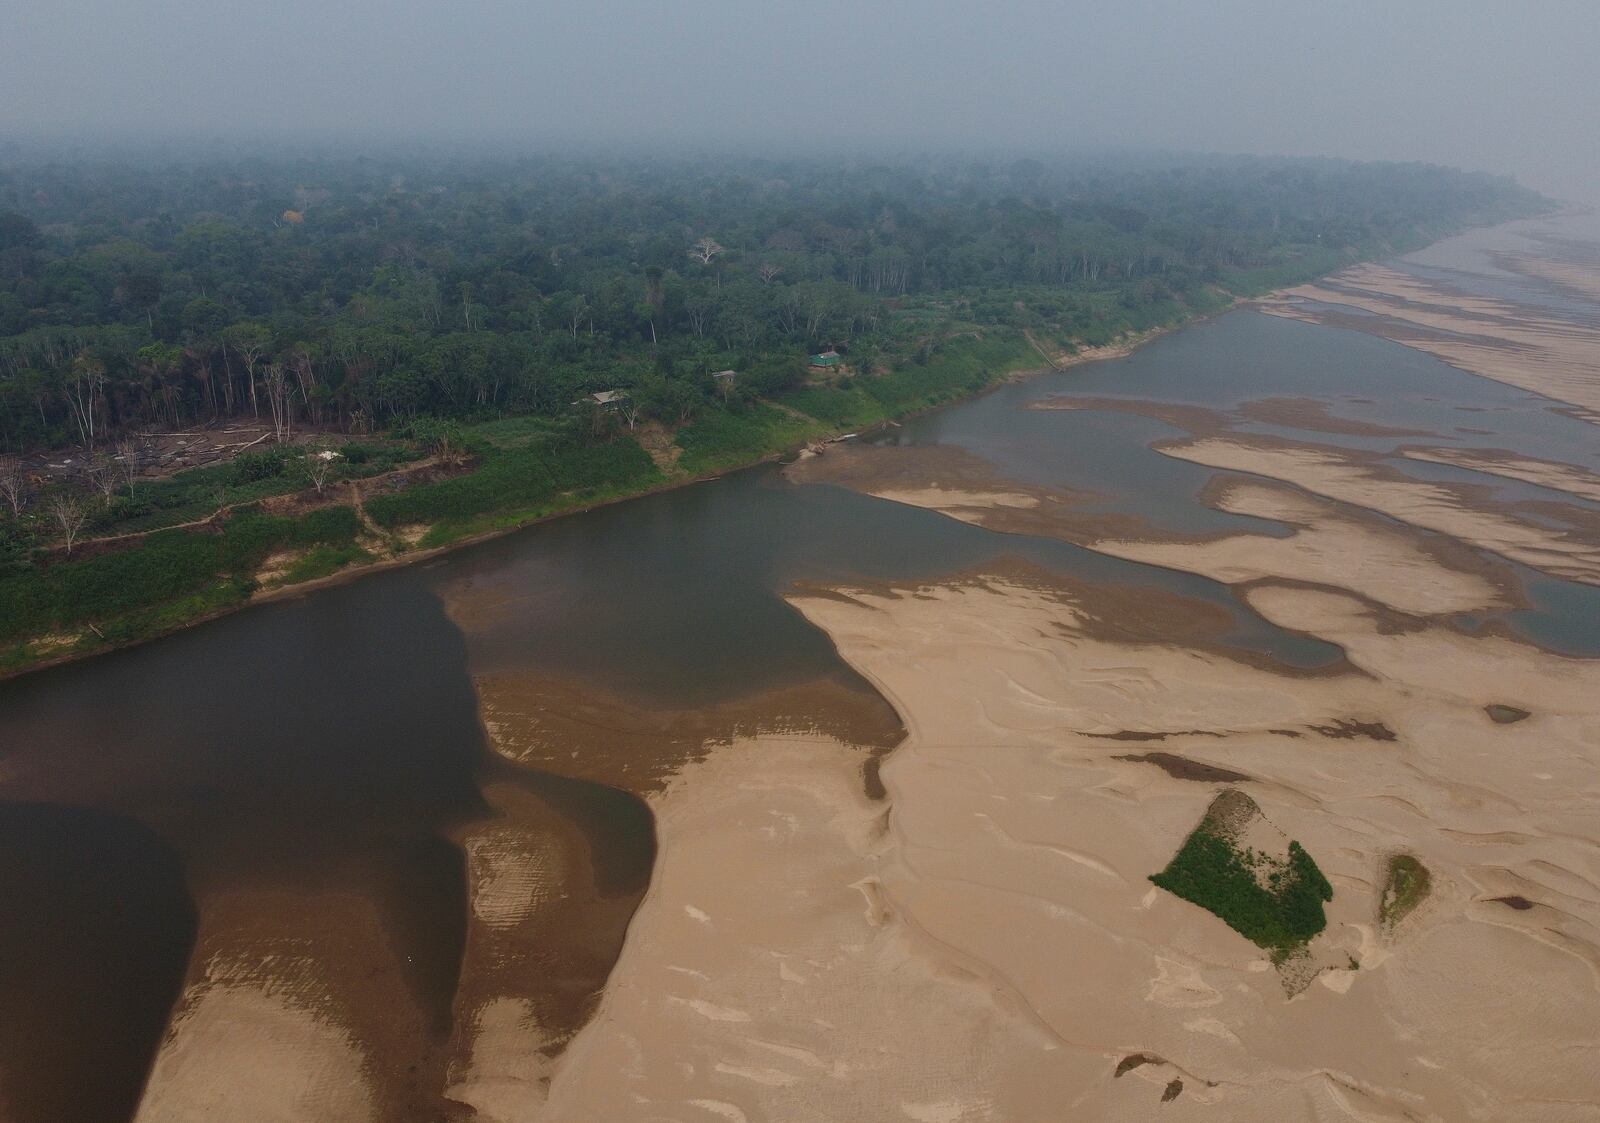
[167, 579]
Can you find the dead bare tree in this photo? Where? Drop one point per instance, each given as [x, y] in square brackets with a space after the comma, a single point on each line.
[103, 477]
[251, 342]
[305, 372]
[318, 467]
[130, 458]
[705, 249]
[69, 516]
[85, 392]
[576, 311]
[279, 391]
[768, 272]
[14, 487]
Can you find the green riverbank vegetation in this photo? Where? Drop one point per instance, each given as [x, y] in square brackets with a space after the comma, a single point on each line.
[382, 354]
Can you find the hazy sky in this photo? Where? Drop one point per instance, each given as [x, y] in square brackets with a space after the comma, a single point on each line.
[1505, 85]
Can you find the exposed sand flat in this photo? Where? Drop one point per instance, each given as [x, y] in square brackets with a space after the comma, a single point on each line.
[923, 475]
[1025, 846]
[245, 1053]
[936, 478]
[1340, 546]
[1327, 548]
[505, 1074]
[1038, 512]
[1579, 277]
[584, 733]
[1503, 462]
[540, 942]
[1353, 478]
[949, 499]
[1180, 415]
[545, 926]
[1497, 340]
[957, 483]
[986, 945]
[977, 507]
[260, 1038]
[1310, 414]
[295, 1008]
[767, 976]
[1428, 298]
[1317, 416]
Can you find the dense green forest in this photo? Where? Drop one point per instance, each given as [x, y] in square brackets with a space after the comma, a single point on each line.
[417, 339]
[353, 293]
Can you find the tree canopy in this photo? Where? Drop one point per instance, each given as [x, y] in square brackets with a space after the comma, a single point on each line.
[361, 292]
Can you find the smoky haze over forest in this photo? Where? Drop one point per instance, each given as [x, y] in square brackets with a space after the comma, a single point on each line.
[1482, 84]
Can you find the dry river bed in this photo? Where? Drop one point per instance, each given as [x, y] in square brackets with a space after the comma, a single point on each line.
[984, 942]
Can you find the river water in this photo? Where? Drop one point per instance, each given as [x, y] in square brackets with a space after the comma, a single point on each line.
[331, 744]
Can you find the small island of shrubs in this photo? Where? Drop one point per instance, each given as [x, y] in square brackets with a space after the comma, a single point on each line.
[1274, 901]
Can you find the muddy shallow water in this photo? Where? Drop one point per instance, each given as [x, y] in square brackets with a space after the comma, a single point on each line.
[249, 785]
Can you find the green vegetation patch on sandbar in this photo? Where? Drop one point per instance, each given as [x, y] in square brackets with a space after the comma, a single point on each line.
[1273, 901]
[1406, 883]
